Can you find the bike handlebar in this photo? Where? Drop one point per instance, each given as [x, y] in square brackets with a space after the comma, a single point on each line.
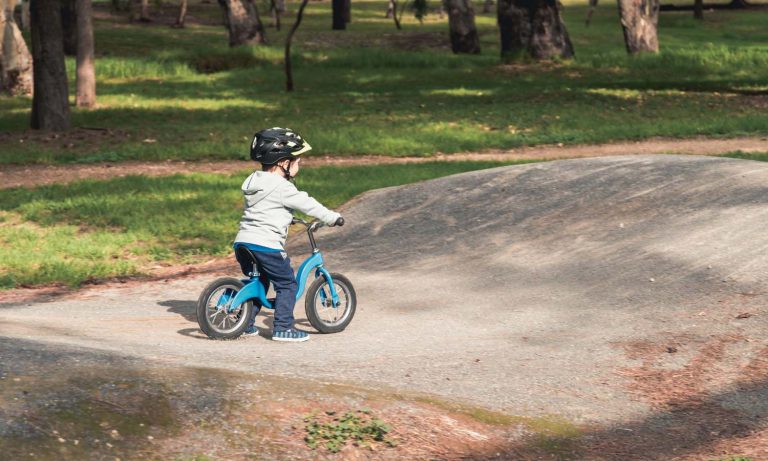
[315, 224]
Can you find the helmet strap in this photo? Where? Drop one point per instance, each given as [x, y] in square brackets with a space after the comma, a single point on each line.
[287, 171]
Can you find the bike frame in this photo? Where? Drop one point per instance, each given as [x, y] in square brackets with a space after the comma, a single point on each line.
[254, 290]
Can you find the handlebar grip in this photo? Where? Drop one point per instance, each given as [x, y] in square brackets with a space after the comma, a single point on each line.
[339, 222]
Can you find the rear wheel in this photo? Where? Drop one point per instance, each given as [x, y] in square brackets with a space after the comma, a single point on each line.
[322, 314]
[213, 314]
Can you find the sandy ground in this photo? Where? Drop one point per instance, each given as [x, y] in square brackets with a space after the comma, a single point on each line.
[35, 175]
[622, 296]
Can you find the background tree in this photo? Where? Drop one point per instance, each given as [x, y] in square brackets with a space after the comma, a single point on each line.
[347, 11]
[698, 9]
[181, 18]
[69, 26]
[50, 105]
[532, 28]
[590, 12]
[640, 19]
[337, 11]
[241, 17]
[288, 40]
[15, 60]
[25, 15]
[461, 23]
[139, 10]
[86, 75]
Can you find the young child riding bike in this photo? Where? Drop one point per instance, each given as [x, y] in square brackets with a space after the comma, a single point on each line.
[270, 198]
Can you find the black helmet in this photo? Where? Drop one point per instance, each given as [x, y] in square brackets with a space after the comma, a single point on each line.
[274, 144]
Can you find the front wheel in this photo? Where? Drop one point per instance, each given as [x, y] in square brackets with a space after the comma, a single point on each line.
[213, 314]
[320, 309]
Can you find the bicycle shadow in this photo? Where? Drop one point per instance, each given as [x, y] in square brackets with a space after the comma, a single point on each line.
[188, 310]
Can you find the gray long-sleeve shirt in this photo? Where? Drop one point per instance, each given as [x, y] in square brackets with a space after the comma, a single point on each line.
[269, 202]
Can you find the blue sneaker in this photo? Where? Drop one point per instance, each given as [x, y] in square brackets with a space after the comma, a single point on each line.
[253, 331]
[290, 335]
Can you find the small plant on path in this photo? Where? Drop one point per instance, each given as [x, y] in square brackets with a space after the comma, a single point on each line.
[333, 431]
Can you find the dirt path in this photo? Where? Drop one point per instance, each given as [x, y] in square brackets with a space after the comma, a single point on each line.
[36, 175]
[625, 296]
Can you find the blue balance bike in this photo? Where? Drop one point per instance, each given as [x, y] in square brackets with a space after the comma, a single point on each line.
[226, 304]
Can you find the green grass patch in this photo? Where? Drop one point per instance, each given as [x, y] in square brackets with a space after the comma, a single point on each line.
[90, 230]
[760, 156]
[374, 90]
[333, 431]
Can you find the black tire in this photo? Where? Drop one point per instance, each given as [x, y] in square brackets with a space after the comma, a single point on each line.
[209, 312]
[316, 308]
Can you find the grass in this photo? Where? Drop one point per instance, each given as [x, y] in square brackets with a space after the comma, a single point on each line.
[89, 230]
[184, 94]
[759, 156]
[332, 431]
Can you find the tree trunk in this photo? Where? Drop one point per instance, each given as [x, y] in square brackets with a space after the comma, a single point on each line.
[139, 10]
[347, 11]
[592, 6]
[15, 60]
[274, 9]
[549, 39]
[69, 25]
[86, 74]
[242, 19]
[50, 104]
[532, 28]
[461, 24]
[337, 7]
[182, 17]
[390, 9]
[487, 6]
[698, 9]
[25, 15]
[288, 69]
[144, 14]
[639, 19]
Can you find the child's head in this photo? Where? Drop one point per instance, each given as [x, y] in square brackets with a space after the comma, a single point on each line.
[278, 149]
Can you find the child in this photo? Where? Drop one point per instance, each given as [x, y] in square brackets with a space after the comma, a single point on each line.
[270, 198]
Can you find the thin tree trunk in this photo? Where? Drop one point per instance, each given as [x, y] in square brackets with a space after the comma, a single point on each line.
[461, 24]
[639, 19]
[275, 10]
[242, 19]
[487, 6]
[144, 15]
[15, 60]
[592, 6]
[288, 68]
[337, 7]
[390, 9]
[86, 74]
[533, 29]
[182, 16]
[139, 10]
[50, 105]
[69, 26]
[393, 4]
[698, 9]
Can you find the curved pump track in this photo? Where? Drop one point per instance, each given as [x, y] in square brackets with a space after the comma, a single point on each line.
[601, 309]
